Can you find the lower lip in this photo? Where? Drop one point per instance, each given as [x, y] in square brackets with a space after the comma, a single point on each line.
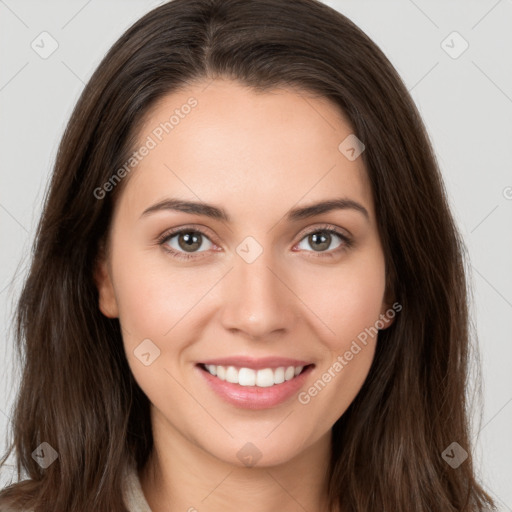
[254, 397]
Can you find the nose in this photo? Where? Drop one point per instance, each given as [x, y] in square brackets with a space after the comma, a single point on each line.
[257, 300]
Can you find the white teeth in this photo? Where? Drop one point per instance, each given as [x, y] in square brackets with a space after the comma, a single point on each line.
[221, 372]
[279, 375]
[263, 378]
[246, 377]
[289, 373]
[232, 375]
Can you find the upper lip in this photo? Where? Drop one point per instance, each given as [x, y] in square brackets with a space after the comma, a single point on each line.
[255, 363]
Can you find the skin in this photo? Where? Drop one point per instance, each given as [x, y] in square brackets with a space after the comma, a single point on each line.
[257, 155]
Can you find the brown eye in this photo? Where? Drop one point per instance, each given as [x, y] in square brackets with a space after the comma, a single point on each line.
[188, 241]
[322, 240]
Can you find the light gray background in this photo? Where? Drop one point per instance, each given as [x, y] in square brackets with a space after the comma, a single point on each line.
[466, 103]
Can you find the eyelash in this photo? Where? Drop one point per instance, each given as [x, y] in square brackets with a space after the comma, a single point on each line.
[327, 228]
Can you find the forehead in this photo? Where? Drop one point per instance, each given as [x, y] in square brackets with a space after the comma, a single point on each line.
[258, 152]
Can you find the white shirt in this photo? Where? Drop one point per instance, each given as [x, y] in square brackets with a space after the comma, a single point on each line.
[132, 493]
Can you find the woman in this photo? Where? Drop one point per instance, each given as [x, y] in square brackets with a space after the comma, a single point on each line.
[247, 289]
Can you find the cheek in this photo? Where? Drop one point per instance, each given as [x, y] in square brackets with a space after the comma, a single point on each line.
[349, 302]
[350, 306]
[347, 298]
[156, 301]
[153, 295]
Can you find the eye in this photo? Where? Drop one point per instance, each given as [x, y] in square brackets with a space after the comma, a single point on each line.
[184, 243]
[180, 243]
[321, 240]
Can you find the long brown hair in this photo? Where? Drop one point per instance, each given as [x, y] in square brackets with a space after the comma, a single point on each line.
[77, 392]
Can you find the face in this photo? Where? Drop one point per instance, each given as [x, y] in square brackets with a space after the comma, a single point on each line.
[256, 280]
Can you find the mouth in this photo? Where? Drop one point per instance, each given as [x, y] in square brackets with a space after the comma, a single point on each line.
[251, 388]
[251, 377]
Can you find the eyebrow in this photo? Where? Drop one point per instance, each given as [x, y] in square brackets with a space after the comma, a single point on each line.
[218, 213]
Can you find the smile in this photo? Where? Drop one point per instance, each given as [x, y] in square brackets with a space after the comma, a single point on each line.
[251, 388]
[263, 378]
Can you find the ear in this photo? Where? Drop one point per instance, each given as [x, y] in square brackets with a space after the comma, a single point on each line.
[387, 316]
[106, 297]
[388, 311]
